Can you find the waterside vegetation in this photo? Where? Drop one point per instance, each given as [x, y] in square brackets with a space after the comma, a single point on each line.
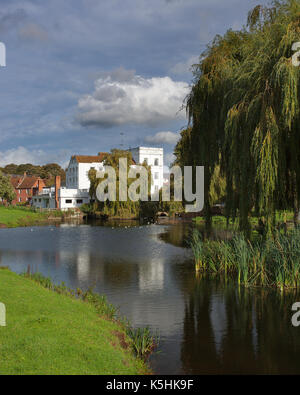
[272, 262]
[244, 117]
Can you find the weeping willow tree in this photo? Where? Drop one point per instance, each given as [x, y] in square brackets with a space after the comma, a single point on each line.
[217, 190]
[243, 111]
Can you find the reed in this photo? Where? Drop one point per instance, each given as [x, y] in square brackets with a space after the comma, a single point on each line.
[272, 262]
[144, 343]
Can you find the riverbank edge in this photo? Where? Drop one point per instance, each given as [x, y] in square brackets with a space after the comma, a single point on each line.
[17, 217]
[50, 332]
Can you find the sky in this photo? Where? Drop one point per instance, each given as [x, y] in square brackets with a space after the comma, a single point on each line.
[84, 76]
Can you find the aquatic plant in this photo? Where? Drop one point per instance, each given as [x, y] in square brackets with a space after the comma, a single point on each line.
[271, 262]
[144, 343]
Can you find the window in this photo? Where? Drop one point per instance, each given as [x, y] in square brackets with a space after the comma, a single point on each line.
[20, 200]
[79, 201]
[40, 200]
[156, 188]
[68, 201]
[156, 176]
[156, 161]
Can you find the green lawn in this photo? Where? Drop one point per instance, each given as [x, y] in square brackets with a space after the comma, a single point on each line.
[50, 333]
[19, 216]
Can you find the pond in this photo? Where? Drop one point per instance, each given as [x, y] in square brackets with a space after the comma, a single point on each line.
[206, 325]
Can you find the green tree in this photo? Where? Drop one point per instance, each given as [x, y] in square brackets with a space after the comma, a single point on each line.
[7, 192]
[244, 116]
[46, 172]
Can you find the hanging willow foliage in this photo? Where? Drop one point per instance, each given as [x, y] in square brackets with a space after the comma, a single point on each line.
[243, 112]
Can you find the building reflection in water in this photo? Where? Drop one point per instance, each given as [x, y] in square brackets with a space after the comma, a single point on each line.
[151, 276]
[207, 325]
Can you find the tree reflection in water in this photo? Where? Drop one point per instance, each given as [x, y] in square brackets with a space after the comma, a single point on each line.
[235, 330]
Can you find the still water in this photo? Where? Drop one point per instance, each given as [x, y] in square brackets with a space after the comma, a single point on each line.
[206, 325]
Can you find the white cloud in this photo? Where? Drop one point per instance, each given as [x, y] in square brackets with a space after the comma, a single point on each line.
[125, 98]
[163, 138]
[22, 155]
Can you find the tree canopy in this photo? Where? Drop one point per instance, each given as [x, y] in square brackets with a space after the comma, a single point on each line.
[7, 192]
[46, 172]
[243, 111]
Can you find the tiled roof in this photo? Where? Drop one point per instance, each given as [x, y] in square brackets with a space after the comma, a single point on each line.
[91, 159]
[28, 182]
[15, 180]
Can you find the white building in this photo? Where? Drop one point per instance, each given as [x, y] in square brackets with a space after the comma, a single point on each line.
[67, 198]
[76, 191]
[154, 157]
[78, 170]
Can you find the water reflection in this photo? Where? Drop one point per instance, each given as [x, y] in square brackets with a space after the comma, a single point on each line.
[230, 330]
[207, 325]
[151, 276]
[179, 234]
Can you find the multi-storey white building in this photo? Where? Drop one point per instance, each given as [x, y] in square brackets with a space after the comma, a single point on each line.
[154, 157]
[76, 191]
[78, 170]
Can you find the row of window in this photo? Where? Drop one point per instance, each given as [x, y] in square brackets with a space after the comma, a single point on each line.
[67, 201]
[70, 201]
[27, 191]
[156, 161]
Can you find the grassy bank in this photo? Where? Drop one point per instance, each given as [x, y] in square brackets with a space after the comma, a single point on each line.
[15, 216]
[274, 262]
[12, 217]
[51, 332]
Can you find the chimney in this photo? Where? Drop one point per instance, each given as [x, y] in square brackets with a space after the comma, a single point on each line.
[40, 185]
[57, 187]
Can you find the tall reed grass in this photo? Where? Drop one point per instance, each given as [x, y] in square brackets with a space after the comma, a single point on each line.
[273, 262]
[144, 342]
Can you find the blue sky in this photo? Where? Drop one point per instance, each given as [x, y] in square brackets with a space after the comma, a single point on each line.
[81, 72]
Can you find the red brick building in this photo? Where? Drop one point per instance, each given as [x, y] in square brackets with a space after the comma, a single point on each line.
[26, 187]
